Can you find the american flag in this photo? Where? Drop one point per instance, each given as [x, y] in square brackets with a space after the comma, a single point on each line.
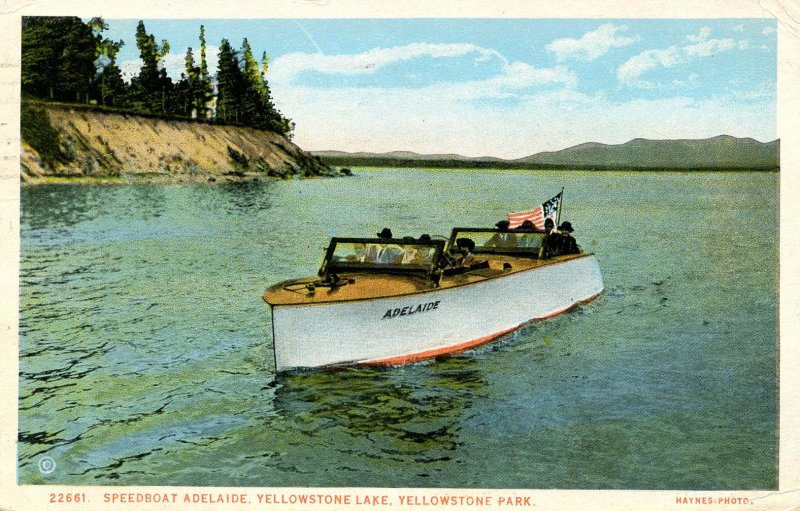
[548, 209]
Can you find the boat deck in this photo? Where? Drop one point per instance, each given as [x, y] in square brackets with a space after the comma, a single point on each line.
[378, 285]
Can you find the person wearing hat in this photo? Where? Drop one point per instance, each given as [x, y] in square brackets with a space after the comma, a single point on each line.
[567, 244]
[551, 246]
[550, 226]
[503, 238]
[375, 250]
[388, 253]
[526, 237]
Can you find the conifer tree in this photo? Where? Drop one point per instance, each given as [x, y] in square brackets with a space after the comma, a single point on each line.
[229, 84]
[185, 89]
[205, 89]
[152, 87]
[252, 100]
[58, 58]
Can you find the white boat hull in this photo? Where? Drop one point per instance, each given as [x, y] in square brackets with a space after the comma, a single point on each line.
[402, 329]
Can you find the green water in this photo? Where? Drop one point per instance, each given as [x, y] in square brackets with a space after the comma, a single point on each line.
[145, 349]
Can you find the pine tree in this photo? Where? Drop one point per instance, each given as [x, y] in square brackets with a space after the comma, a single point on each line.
[192, 100]
[58, 58]
[183, 96]
[41, 54]
[252, 99]
[229, 84]
[205, 90]
[275, 120]
[152, 87]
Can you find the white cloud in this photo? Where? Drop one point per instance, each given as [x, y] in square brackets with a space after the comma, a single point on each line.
[286, 67]
[768, 30]
[648, 60]
[592, 44]
[709, 47]
[511, 78]
[702, 35]
[631, 71]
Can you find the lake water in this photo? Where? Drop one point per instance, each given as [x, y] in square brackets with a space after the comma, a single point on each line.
[145, 349]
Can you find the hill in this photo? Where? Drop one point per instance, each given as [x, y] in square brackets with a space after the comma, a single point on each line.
[718, 153]
[722, 152]
[70, 141]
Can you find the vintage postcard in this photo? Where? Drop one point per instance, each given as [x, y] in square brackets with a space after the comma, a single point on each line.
[361, 255]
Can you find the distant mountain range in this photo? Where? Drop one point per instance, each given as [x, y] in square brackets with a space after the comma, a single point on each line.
[718, 153]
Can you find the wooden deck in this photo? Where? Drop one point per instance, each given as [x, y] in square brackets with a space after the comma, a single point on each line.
[368, 286]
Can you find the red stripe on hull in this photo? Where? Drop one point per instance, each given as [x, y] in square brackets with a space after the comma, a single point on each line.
[458, 348]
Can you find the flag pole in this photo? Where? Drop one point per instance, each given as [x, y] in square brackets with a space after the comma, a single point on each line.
[560, 203]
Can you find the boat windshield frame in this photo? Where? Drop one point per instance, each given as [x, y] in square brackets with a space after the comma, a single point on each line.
[517, 251]
[331, 266]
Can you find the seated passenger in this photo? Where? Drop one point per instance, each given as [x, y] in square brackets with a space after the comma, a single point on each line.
[503, 238]
[464, 256]
[374, 252]
[551, 245]
[568, 245]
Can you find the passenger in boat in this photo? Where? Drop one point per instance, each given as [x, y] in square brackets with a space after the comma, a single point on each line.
[374, 252]
[504, 238]
[418, 255]
[389, 253]
[464, 256]
[552, 244]
[528, 236]
[567, 244]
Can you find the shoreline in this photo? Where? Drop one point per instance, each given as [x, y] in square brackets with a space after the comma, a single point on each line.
[158, 179]
[209, 179]
[400, 164]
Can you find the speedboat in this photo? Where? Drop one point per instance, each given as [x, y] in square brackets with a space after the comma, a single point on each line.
[391, 301]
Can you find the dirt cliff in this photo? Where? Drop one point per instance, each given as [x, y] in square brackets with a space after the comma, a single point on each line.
[67, 141]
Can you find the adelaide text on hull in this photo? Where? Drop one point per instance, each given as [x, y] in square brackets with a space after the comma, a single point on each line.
[389, 301]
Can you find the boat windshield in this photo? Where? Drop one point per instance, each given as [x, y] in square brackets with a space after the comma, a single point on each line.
[494, 241]
[372, 254]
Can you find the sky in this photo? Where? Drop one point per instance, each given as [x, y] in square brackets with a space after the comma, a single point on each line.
[497, 87]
